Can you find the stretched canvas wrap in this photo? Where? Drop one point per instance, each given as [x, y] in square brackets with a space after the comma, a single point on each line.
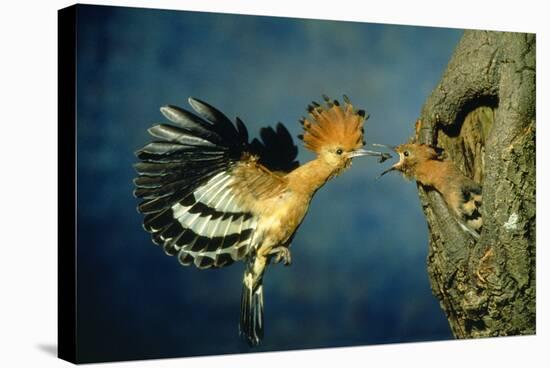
[229, 183]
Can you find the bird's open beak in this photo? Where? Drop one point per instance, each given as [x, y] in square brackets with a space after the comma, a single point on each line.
[363, 152]
[386, 171]
[391, 168]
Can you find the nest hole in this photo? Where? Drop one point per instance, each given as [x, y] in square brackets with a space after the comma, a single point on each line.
[464, 141]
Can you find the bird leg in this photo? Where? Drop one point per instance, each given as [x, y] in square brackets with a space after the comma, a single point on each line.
[281, 253]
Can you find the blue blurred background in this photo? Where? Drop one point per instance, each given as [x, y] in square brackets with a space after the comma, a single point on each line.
[359, 259]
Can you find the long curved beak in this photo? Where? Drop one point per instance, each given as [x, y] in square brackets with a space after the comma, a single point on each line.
[363, 152]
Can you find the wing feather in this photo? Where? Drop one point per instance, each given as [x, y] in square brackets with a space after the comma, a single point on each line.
[198, 181]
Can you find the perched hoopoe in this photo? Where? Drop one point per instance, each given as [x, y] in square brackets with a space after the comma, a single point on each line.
[211, 198]
[462, 195]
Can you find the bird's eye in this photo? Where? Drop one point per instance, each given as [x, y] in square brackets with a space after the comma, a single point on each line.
[339, 151]
[406, 153]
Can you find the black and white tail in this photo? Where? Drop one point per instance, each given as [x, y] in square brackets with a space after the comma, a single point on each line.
[251, 324]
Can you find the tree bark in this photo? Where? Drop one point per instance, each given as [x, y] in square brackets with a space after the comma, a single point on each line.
[482, 113]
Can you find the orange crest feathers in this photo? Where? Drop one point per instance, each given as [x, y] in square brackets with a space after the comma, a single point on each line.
[332, 125]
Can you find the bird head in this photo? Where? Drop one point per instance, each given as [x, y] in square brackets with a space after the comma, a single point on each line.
[335, 133]
[411, 155]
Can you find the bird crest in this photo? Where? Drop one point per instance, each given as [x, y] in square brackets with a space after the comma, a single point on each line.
[333, 124]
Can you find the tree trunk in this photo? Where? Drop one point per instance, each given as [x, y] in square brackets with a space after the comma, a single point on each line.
[482, 114]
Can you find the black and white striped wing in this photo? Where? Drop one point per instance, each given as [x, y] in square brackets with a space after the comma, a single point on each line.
[186, 183]
[205, 228]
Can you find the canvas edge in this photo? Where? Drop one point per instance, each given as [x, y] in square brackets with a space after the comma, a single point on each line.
[66, 200]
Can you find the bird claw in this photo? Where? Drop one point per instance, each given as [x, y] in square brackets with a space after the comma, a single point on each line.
[281, 253]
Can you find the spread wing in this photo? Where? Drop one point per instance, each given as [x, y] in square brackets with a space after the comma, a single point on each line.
[276, 149]
[198, 181]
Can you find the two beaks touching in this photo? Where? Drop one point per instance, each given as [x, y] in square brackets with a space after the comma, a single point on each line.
[424, 164]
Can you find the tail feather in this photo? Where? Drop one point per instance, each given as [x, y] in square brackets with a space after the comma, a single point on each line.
[475, 234]
[251, 324]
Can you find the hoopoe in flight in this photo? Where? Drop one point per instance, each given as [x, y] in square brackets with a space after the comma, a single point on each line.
[211, 198]
[427, 166]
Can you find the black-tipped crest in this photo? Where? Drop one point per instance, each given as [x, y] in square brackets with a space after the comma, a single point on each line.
[332, 124]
